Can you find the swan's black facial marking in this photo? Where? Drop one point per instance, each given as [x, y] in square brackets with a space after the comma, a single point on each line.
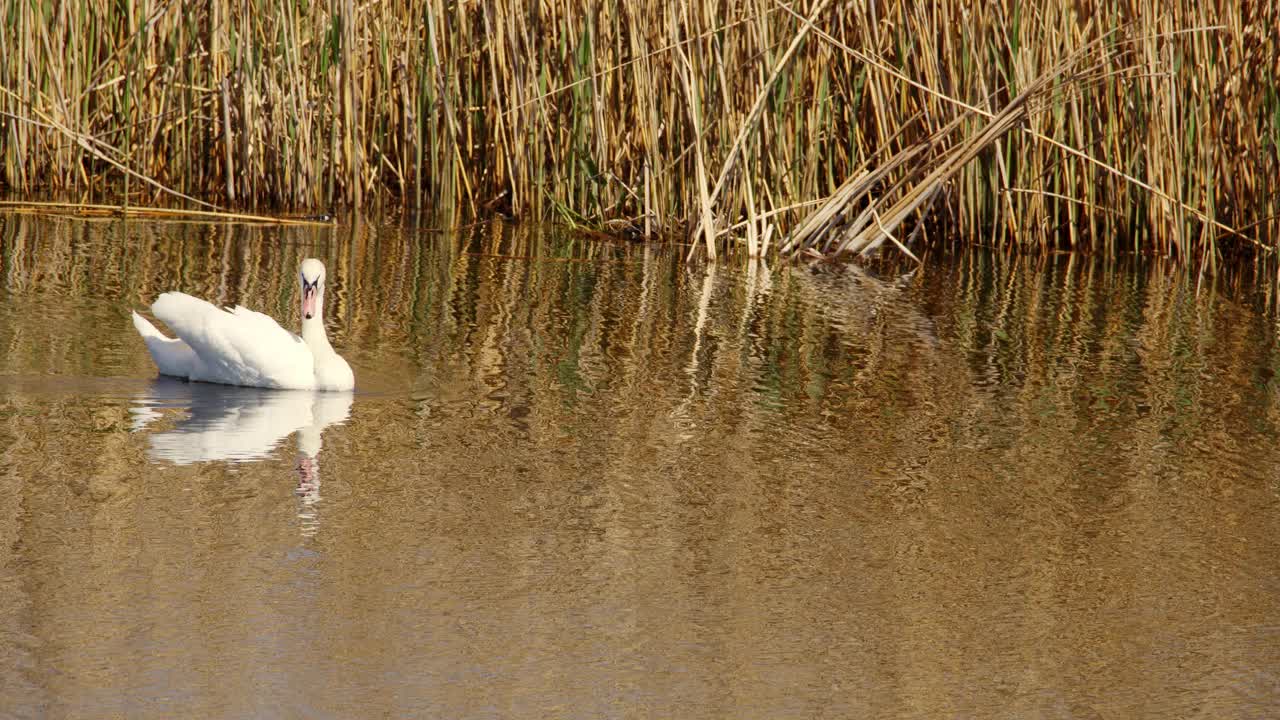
[309, 292]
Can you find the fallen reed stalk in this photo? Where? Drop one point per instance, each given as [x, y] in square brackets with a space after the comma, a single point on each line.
[864, 236]
[667, 117]
[155, 212]
[95, 148]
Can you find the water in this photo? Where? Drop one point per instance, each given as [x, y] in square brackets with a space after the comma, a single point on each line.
[581, 480]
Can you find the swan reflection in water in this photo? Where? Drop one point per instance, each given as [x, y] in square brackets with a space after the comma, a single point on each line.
[240, 424]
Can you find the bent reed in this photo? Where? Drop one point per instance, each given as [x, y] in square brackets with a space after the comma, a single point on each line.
[820, 127]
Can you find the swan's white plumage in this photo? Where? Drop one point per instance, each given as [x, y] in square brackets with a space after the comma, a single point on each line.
[172, 357]
[238, 346]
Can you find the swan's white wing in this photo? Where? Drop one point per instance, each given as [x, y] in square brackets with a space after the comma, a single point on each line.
[266, 323]
[241, 347]
[331, 372]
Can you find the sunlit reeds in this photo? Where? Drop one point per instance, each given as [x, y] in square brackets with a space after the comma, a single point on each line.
[718, 123]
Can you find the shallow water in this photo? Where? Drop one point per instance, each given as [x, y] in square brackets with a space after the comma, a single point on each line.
[582, 480]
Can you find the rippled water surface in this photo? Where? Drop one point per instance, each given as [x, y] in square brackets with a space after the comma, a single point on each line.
[584, 480]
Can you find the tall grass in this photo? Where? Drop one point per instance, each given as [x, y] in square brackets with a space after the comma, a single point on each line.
[726, 122]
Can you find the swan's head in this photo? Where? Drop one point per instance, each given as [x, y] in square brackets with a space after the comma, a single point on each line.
[312, 278]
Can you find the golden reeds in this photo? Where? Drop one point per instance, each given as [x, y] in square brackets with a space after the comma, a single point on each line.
[725, 123]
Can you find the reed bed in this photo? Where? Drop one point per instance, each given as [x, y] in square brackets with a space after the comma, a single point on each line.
[824, 127]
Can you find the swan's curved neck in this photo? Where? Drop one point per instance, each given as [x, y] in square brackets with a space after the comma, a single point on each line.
[313, 333]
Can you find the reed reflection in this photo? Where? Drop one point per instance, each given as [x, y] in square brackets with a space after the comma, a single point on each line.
[588, 476]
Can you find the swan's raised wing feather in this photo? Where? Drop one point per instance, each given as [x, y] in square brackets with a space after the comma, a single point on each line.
[261, 321]
[240, 347]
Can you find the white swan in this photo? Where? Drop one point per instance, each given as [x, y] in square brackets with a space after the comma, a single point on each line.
[238, 346]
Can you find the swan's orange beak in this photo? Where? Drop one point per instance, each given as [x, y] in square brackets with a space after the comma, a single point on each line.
[309, 301]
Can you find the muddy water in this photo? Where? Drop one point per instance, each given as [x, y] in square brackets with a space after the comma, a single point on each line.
[584, 480]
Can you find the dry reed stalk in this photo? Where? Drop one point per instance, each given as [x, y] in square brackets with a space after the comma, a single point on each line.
[156, 212]
[88, 145]
[706, 222]
[557, 109]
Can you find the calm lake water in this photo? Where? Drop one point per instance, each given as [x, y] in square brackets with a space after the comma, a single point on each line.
[584, 480]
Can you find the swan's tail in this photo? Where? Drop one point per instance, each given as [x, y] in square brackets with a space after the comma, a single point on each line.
[146, 329]
[172, 356]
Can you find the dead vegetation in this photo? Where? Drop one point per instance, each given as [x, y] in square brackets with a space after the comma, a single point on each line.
[821, 127]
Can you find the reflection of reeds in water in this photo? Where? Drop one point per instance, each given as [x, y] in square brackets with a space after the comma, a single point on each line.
[551, 333]
[588, 313]
[1005, 460]
[663, 114]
